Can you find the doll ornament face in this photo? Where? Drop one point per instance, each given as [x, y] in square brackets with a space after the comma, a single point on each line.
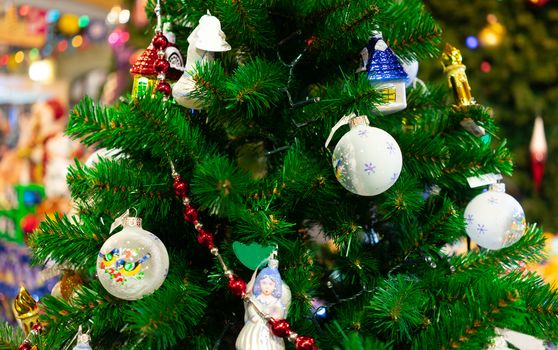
[267, 286]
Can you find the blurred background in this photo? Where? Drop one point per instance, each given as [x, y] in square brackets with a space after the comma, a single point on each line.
[55, 52]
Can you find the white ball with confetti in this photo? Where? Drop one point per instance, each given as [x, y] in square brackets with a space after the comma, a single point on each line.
[367, 160]
[494, 219]
[133, 262]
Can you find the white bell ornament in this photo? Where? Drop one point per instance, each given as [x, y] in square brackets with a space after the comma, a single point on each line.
[494, 219]
[367, 160]
[206, 39]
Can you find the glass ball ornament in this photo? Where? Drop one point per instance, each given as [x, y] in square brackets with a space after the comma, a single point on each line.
[367, 160]
[494, 219]
[133, 262]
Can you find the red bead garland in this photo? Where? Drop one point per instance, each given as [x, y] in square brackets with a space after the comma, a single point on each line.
[237, 286]
[164, 87]
[280, 328]
[161, 66]
[160, 42]
[305, 343]
[38, 327]
[26, 345]
[205, 238]
[190, 214]
[180, 187]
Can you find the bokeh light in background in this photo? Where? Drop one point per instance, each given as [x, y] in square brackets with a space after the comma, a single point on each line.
[19, 57]
[83, 21]
[472, 42]
[42, 71]
[33, 54]
[53, 15]
[77, 41]
[485, 67]
[62, 45]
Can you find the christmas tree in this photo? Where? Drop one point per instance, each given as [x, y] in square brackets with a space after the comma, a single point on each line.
[228, 170]
[512, 44]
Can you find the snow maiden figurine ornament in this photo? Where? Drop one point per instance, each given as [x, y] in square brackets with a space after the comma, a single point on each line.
[268, 297]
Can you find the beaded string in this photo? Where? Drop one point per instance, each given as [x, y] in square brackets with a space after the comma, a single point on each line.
[236, 285]
[161, 65]
[27, 344]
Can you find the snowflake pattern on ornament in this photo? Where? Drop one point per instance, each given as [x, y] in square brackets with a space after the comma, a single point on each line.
[492, 200]
[390, 147]
[481, 230]
[394, 177]
[370, 168]
[469, 219]
[363, 133]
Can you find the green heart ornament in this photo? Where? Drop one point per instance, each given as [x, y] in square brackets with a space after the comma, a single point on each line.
[251, 255]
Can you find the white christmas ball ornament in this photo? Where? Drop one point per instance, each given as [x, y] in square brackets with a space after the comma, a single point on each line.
[367, 160]
[133, 262]
[494, 219]
[411, 68]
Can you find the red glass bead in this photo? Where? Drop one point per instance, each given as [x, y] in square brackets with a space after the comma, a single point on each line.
[161, 65]
[280, 328]
[180, 187]
[305, 343]
[205, 238]
[190, 214]
[26, 345]
[237, 286]
[160, 42]
[38, 327]
[164, 87]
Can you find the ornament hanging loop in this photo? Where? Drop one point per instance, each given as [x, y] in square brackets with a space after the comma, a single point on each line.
[343, 121]
[159, 27]
[126, 220]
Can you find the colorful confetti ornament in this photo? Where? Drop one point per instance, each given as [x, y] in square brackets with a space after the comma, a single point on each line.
[494, 219]
[133, 262]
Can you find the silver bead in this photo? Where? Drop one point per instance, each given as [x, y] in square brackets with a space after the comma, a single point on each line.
[292, 337]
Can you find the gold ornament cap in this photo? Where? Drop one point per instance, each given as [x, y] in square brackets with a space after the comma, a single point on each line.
[24, 305]
[358, 120]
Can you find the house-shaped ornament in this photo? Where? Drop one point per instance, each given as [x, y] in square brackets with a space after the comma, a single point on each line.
[386, 74]
[145, 76]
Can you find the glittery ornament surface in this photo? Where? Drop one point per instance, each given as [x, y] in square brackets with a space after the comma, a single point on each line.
[383, 64]
[144, 64]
